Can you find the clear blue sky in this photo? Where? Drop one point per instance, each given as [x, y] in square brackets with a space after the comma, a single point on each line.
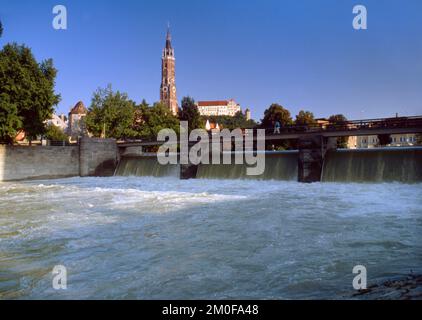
[303, 54]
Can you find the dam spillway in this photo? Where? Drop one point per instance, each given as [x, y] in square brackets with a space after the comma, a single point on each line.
[145, 166]
[278, 166]
[373, 165]
[359, 165]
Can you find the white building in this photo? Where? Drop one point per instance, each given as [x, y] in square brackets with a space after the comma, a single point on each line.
[58, 121]
[218, 108]
[397, 140]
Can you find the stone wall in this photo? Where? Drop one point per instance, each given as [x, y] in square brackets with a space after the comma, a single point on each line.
[98, 157]
[93, 157]
[37, 162]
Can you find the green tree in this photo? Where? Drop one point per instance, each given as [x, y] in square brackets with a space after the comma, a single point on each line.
[55, 133]
[189, 112]
[9, 120]
[231, 122]
[151, 120]
[111, 114]
[305, 118]
[26, 92]
[276, 113]
[339, 121]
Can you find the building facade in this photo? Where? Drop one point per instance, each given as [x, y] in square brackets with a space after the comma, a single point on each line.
[168, 94]
[76, 125]
[218, 108]
[397, 140]
[58, 121]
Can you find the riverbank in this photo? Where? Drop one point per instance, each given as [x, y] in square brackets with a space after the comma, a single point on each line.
[400, 288]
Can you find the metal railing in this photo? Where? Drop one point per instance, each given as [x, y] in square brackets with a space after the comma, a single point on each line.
[352, 126]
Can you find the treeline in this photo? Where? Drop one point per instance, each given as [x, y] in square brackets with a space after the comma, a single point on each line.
[28, 98]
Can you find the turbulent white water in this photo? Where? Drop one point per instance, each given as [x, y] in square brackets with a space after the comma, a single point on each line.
[159, 238]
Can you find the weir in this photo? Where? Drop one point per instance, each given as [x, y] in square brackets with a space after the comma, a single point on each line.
[374, 165]
[362, 165]
[145, 166]
[278, 166]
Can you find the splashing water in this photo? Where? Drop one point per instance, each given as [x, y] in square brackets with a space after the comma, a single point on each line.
[165, 238]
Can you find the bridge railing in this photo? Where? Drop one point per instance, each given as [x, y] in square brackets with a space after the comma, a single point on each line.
[350, 126]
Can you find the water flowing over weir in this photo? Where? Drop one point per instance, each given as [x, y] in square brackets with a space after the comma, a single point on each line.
[374, 165]
[278, 166]
[361, 165]
[145, 167]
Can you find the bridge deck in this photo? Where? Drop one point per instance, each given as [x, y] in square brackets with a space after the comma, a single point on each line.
[407, 125]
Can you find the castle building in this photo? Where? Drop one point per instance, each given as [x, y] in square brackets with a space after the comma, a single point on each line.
[168, 77]
[218, 108]
[76, 126]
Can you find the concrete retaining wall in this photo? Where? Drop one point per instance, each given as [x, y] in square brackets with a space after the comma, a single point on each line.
[93, 157]
[19, 162]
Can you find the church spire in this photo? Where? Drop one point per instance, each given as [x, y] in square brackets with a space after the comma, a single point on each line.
[168, 37]
[168, 76]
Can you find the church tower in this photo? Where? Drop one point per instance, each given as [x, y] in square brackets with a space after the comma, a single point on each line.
[168, 80]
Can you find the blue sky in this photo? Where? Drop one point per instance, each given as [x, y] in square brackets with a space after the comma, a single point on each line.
[303, 54]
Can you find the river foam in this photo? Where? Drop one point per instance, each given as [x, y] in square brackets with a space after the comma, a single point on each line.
[159, 238]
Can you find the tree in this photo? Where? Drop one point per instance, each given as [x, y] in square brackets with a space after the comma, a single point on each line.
[339, 121]
[111, 114]
[189, 112]
[231, 122]
[384, 139]
[150, 120]
[26, 92]
[1, 29]
[9, 120]
[276, 113]
[305, 118]
[55, 133]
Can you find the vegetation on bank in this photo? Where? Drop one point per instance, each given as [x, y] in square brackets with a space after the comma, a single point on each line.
[27, 96]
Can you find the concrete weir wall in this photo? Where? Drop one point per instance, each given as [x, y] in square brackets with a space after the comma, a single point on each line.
[93, 157]
[98, 157]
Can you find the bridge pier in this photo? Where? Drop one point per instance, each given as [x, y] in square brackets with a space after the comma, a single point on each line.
[312, 150]
[188, 171]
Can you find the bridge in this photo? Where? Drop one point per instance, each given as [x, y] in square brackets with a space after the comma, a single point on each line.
[369, 127]
[313, 140]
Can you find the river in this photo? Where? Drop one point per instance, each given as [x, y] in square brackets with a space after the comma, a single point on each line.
[165, 238]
